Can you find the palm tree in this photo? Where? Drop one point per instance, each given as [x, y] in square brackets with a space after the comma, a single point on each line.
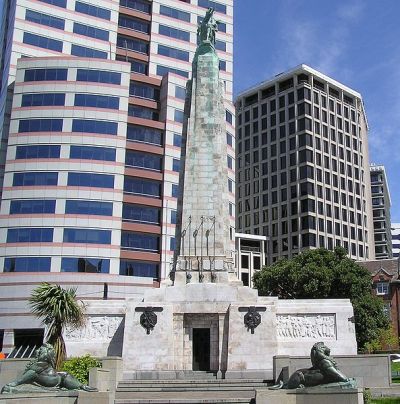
[58, 308]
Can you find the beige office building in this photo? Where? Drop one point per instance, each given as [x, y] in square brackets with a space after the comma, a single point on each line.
[302, 165]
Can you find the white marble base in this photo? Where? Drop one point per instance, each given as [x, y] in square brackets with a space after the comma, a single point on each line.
[234, 349]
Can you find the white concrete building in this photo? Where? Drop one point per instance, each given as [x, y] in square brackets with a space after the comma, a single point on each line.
[302, 165]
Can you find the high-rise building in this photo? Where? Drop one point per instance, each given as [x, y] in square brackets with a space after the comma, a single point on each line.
[381, 212]
[396, 240]
[302, 165]
[92, 99]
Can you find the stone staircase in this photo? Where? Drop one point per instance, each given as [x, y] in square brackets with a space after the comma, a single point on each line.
[202, 388]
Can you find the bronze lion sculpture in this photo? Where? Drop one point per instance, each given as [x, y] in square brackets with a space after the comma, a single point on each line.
[323, 371]
[40, 375]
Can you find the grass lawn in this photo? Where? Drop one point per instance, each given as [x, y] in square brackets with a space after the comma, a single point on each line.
[396, 368]
[385, 401]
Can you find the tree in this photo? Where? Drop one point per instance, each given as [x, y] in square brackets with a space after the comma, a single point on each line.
[321, 274]
[58, 308]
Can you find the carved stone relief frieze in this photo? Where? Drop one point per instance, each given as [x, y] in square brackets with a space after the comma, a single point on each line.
[306, 326]
[99, 328]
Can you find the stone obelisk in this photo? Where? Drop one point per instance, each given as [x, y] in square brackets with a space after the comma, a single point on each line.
[203, 234]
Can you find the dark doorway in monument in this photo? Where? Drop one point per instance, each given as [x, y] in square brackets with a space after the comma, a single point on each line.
[201, 349]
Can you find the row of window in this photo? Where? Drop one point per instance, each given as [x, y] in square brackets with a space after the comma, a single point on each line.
[76, 152]
[84, 8]
[78, 207]
[57, 46]
[59, 23]
[129, 240]
[56, 99]
[74, 179]
[45, 235]
[75, 264]
[130, 212]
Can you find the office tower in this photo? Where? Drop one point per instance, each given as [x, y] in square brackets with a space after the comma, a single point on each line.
[302, 165]
[92, 103]
[381, 212]
[396, 239]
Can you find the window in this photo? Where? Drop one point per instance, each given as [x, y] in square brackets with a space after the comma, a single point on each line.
[58, 3]
[220, 45]
[142, 90]
[144, 134]
[26, 206]
[139, 5]
[163, 70]
[37, 151]
[143, 160]
[90, 180]
[143, 112]
[44, 19]
[77, 50]
[42, 42]
[139, 186]
[134, 24]
[27, 264]
[222, 65]
[87, 236]
[175, 192]
[88, 208]
[179, 115]
[96, 101]
[228, 117]
[140, 242]
[89, 9]
[230, 162]
[137, 66]
[90, 265]
[173, 53]
[30, 235]
[382, 288]
[174, 13]
[174, 33]
[35, 178]
[91, 32]
[45, 74]
[42, 99]
[219, 8]
[180, 92]
[91, 126]
[176, 165]
[229, 139]
[140, 214]
[137, 268]
[92, 153]
[98, 76]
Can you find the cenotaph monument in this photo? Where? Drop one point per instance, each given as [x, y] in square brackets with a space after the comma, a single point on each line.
[204, 319]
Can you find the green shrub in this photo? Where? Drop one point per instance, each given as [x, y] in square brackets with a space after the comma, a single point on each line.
[79, 367]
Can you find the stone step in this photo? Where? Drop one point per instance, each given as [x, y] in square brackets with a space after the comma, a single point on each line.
[191, 381]
[185, 397]
[187, 388]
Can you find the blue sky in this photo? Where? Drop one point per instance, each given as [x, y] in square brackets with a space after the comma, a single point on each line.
[356, 42]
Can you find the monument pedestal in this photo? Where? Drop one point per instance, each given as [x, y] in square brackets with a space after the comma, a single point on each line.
[226, 329]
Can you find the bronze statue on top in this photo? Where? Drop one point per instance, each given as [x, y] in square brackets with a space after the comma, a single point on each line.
[323, 372]
[207, 29]
[40, 376]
